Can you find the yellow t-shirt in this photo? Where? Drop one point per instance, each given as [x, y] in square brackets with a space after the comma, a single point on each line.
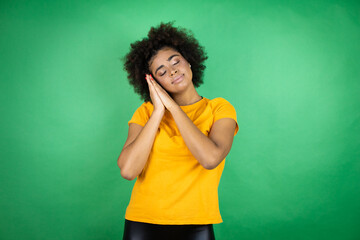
[173, 188]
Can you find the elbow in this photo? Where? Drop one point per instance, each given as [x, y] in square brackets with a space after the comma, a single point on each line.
[126, 175]
[213, 160]
[210, 166]
[211, 163]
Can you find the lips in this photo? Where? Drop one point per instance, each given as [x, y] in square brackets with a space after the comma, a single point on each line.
[178, 79]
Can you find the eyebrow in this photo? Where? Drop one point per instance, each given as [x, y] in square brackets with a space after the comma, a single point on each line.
[168, 61]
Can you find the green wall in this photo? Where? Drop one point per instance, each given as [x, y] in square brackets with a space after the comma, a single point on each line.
[290, 69]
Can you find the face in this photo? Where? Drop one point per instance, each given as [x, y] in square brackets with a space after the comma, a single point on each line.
[171, 70]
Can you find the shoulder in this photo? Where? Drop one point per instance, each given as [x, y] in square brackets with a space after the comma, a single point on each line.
[222, 108]
[219, 102]
[142, 114]
[146, 107]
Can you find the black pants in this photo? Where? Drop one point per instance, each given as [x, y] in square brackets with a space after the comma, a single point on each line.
[147, 231]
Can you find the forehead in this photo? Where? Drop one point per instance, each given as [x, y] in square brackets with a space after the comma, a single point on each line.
[162, 55]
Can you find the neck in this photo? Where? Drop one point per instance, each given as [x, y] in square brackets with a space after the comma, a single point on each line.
[187, 98]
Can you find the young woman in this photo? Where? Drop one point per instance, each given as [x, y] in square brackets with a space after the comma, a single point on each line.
[177, 140]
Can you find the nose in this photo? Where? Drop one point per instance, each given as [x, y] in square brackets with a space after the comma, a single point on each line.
[174, 71]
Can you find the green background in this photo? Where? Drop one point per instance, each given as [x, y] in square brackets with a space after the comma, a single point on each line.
[291, 70]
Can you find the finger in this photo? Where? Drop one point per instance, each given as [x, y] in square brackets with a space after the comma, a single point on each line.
[152, 79]
[149, 85]
[153, 82]
[156, 85]
[152, 87]
[150, 82]
[159, 88]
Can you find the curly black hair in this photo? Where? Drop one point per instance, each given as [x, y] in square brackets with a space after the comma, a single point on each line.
[165, 35]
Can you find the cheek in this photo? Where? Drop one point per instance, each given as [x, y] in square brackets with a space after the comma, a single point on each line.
[184, 64]
[186, 67]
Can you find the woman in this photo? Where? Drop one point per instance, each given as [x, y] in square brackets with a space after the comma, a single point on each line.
[177, 140]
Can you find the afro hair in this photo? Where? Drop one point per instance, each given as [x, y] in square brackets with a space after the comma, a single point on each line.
[165, 35]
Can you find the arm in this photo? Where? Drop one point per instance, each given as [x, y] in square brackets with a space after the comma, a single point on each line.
[137, 147]
[208, 150]
[139, 142]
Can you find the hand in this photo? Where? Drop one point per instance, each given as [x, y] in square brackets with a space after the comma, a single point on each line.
[167, 101]
[155, 99]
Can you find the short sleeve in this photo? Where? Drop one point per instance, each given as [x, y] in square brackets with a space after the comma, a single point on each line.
[224, 109]
[142, 114]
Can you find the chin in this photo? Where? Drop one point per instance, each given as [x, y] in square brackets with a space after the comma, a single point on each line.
[182, 86]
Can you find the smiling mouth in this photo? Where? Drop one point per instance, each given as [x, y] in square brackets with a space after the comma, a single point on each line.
[178, 79]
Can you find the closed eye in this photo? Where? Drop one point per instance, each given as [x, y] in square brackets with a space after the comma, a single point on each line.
[165, 71]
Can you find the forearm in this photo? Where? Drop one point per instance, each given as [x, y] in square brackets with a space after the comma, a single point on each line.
[200, 145]
[135, 155]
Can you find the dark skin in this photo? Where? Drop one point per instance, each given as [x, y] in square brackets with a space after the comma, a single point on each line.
[173, 73]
